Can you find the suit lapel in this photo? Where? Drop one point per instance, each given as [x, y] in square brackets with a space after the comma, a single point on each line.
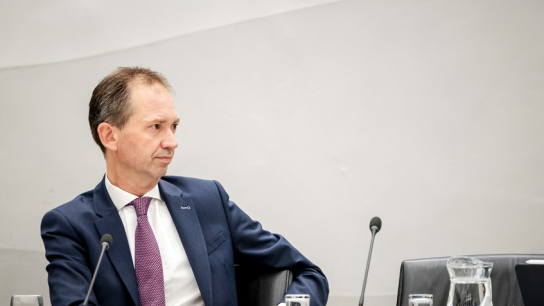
[188, 226]
[119, 251]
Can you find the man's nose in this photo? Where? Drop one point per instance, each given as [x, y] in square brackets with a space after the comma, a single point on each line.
[169, 141]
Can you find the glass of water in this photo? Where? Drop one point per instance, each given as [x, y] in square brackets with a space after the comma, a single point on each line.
[26, 300]
[420, 300]
[297, 300]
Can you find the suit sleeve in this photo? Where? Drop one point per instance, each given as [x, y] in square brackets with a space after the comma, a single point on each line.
[68, 269]
[255, 246]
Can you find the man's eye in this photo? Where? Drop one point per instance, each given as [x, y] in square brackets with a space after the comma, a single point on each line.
[155, 126]
[174, 127]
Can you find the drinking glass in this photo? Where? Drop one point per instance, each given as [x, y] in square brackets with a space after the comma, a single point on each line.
[26, 300]
[420, 299]
[297, 300]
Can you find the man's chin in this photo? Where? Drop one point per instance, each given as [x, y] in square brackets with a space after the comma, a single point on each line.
[162, 171]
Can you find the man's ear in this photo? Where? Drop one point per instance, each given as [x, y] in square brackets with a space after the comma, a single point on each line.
[108, 135]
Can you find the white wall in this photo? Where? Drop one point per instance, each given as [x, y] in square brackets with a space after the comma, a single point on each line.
[314, 116]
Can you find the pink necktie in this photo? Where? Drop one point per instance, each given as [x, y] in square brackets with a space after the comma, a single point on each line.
[147, 257]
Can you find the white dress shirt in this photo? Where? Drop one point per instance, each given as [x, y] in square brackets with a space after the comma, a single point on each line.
[180, 284]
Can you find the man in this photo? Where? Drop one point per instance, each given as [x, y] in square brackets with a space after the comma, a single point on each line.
[176, 239]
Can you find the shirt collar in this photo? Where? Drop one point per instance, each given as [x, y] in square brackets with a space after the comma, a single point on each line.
[120, 198]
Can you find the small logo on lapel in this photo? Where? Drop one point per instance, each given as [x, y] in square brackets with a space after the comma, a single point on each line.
[186, 207]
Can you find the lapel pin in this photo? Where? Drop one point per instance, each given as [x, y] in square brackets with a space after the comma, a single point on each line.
[185, 207]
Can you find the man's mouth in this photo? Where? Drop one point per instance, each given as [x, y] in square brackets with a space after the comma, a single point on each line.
[165, 158]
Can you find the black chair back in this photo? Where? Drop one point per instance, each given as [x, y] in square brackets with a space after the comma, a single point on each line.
[261, 287]
[430, 275]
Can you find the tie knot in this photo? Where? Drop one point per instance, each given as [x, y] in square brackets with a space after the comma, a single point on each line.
[141, 205]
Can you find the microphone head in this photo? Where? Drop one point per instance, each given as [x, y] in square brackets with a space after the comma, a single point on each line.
[375, 224]
[107, 239]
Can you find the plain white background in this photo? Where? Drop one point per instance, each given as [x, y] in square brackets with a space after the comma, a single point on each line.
[314, 115]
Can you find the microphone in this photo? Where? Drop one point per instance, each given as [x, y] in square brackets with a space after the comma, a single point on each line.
[375, 226]
[105, 241]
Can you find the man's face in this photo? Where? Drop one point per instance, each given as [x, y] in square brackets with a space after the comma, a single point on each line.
[146, 143]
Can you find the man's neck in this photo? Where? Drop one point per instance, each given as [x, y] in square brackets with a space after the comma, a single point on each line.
[130, 183]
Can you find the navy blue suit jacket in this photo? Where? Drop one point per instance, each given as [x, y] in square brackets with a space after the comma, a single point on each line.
[215, 233]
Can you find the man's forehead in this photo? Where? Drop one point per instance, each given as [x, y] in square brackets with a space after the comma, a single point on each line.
[153, 102]
[149, 93]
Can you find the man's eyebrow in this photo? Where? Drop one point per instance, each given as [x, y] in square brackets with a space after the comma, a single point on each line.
[159, 120]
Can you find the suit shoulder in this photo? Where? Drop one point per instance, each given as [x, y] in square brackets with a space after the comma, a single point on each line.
[77, 212]
[75, 204]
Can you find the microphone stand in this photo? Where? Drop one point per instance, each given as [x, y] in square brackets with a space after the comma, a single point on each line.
[374, 231]
[105, 246]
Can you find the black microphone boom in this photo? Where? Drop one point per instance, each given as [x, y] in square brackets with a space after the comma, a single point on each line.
[375, 226]
[105, 241]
